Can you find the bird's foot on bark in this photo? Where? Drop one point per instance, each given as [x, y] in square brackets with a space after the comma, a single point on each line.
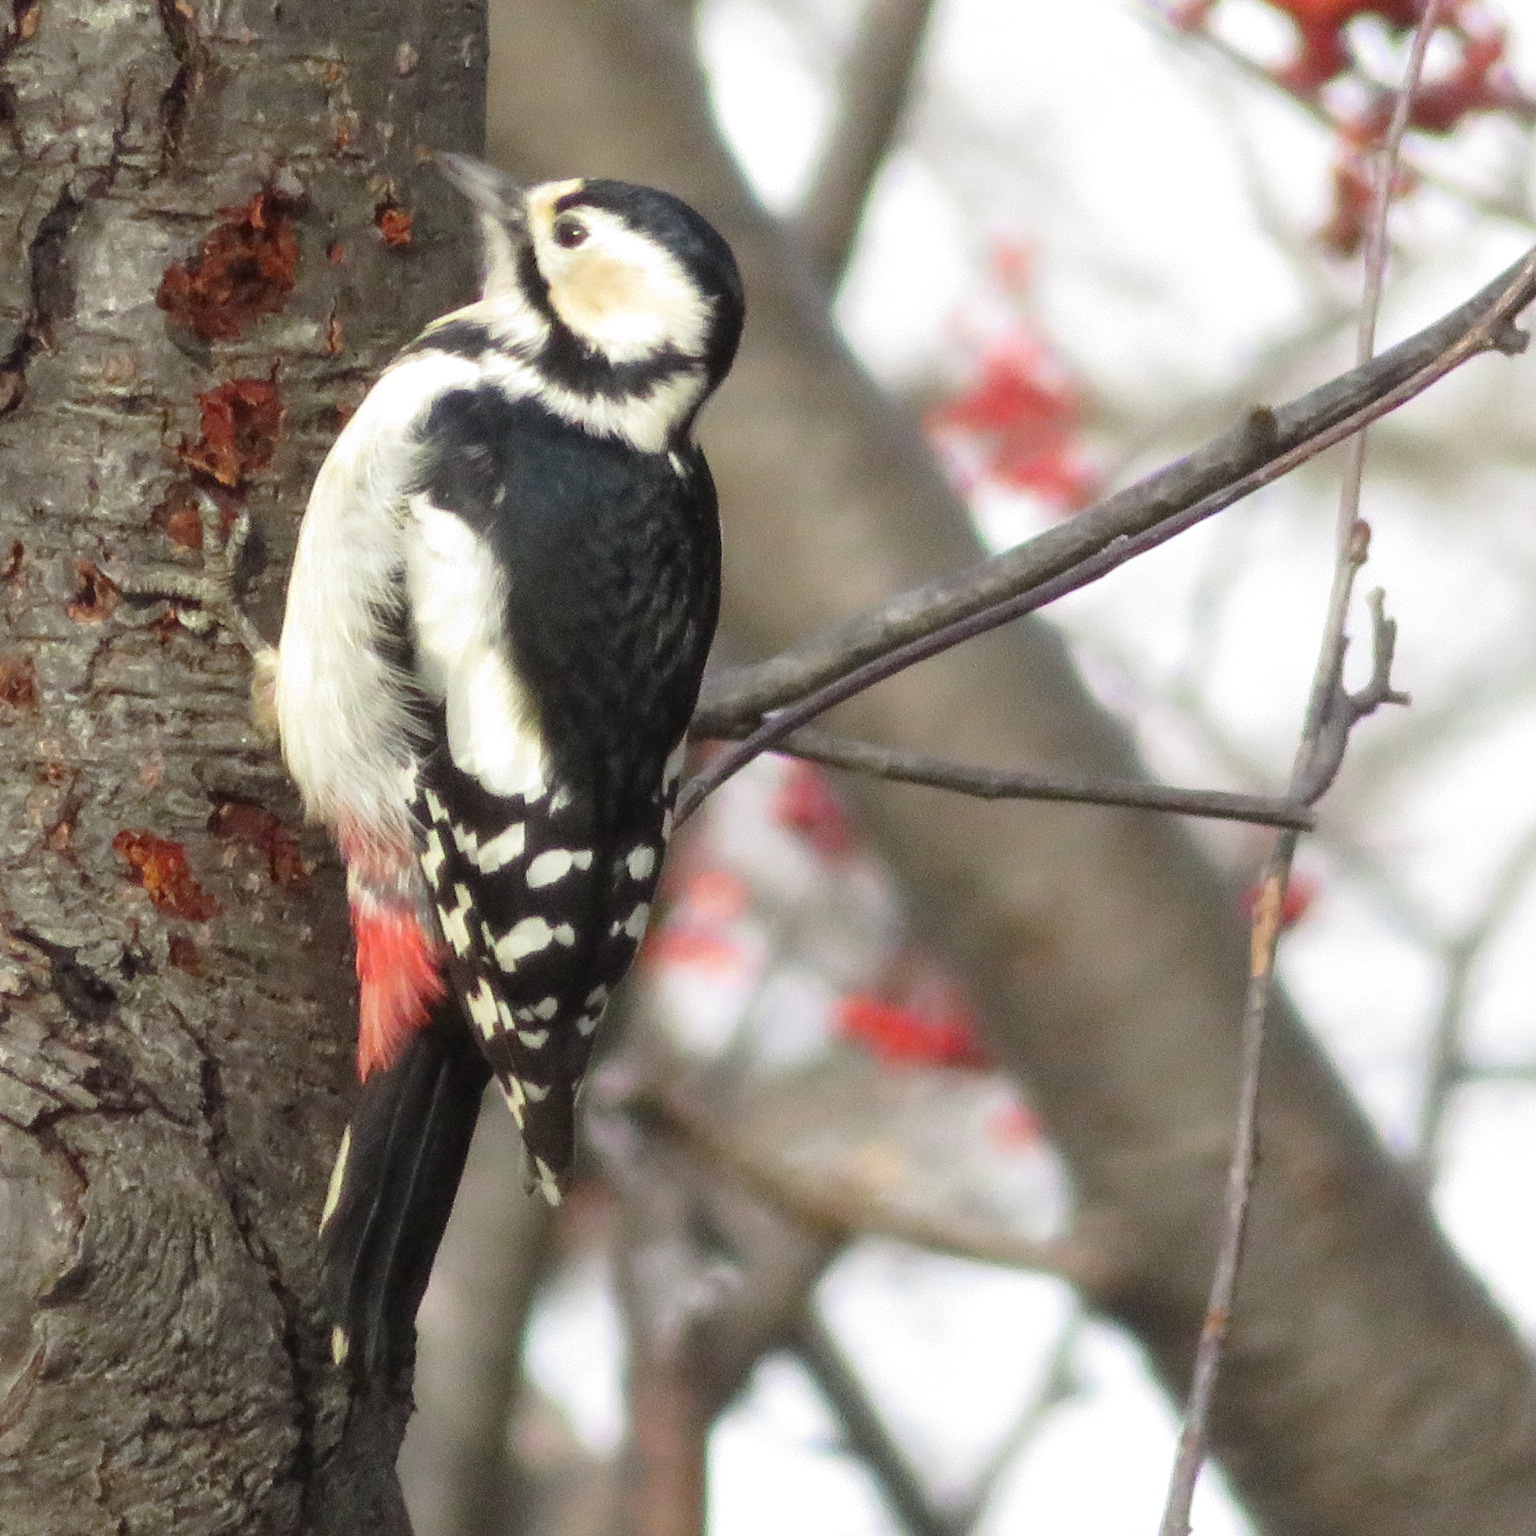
[209, 599]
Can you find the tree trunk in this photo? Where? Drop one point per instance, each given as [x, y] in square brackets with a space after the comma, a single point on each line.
[1371, 1388]
[217, 227]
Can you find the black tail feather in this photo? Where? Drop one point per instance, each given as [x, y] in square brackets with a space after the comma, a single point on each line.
[393, 1189]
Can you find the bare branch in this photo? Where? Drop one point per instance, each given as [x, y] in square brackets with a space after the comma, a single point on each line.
[876, 83]
[1330, 712]
[1020, 784]
[811, 678]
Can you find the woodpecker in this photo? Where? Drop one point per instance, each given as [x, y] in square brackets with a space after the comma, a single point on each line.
[505, 586]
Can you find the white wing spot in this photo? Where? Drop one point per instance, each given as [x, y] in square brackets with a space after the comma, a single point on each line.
[561, 800]
[482, 1008]
[432, 858]
[673, 770]
[501, 850]
[545, 1008]
[565, 934]
[537, 1092]
[341, 1346]
[525, 938]
[549, 1186]
[435, 806]
[338, 1177]
[512, 1092]
[634, 924]
[676, 462]
[597, 997]
[641, 862]
[454, 924]
[586, 1024]
[534, 1039]
[666, 824]
[549, 867]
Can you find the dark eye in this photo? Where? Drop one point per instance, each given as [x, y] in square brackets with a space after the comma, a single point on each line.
[569, 231]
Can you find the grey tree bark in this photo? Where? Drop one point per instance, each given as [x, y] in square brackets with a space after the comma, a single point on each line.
[1371, 1388]
[216, 227]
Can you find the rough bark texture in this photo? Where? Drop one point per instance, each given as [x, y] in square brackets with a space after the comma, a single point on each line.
[1371, 1388]
[175, 1051]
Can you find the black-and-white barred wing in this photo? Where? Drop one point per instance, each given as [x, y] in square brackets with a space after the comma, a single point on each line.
[542, 915]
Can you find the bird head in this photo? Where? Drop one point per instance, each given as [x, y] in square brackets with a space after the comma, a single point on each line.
[630, 274]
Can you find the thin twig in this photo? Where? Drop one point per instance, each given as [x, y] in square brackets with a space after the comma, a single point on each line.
[865, 1431]
[1314, 769]
[1058, 1383]
[778, 696]
[1020, 784]
[1447, 1066]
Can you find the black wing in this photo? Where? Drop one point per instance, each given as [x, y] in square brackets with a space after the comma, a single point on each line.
[612, 561]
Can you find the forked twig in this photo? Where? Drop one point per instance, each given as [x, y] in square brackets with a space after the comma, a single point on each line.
[1331, 712]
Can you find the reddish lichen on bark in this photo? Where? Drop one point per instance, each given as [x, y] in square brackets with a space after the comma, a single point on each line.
[18, 682]
[242, 423]
[184, 954]
[264, 831]
[176, 515]
[394, 224]
[95, 596]
[160, 866]
[244, 269]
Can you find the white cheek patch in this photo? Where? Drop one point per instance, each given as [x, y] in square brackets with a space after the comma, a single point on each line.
[622, 292]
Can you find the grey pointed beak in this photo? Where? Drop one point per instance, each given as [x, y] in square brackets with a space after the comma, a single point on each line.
[489, 190]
